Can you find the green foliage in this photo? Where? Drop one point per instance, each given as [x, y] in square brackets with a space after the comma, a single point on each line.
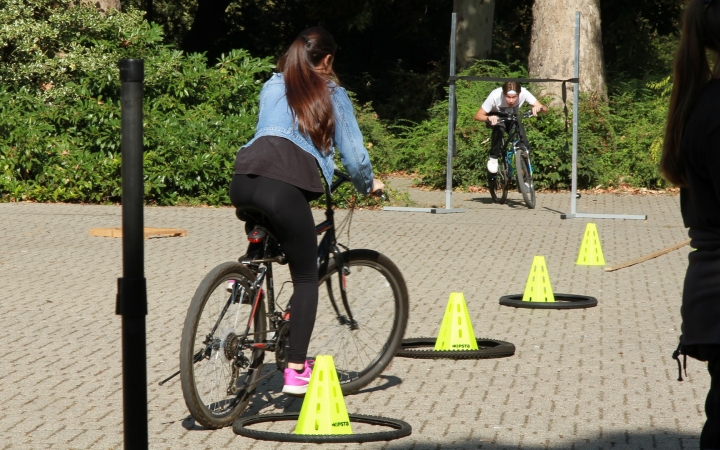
[60, 107]
[174, 16]
[393, 53]
[619, 141]
[382, 146]
[638, 117]
[60, 116]
[379, 141]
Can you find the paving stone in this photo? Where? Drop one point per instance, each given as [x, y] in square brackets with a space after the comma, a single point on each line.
[599, 378]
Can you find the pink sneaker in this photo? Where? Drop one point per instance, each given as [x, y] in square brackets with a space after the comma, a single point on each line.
[297, 383]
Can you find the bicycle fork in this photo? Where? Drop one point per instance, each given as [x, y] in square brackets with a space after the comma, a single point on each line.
[343, 273]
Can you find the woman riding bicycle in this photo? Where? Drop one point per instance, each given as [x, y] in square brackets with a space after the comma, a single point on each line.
[506, 99]
[303, 115]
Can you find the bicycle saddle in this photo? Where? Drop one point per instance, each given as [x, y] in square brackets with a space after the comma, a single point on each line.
[252, 216]
[257, 227]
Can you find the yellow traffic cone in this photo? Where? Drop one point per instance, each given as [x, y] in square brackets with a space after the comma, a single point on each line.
[591, 253]
[456, 331]
[538, 287]
[323, 410]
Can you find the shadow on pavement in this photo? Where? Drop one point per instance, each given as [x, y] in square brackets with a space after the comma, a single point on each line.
[189, 424]
[269, 397]
[389, 381]
[660, 439]
[512, 203]
[553, 210]
[483, 200]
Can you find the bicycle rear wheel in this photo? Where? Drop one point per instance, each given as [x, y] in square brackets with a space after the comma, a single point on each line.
[218, 372]
[524, 177]
[378, 300]
[498, 182]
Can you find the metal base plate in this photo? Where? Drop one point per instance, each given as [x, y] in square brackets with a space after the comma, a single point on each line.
[424, 210]
[604, 216]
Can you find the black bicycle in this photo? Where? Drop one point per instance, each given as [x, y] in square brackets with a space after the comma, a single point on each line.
[233, 322]
[515, 161]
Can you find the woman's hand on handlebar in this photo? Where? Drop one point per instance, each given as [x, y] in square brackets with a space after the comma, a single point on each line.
[377, 188]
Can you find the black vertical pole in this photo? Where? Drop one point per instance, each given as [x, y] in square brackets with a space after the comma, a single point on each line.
[132, 293]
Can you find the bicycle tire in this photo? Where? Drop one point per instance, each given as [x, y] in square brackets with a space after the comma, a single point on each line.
[206, 382]
[498, 182]
[487, 349]
[399, 429]
[562, 301]
[378, 299]
[524, 177]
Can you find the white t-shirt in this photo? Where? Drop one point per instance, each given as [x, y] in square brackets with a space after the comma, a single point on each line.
[496, 101]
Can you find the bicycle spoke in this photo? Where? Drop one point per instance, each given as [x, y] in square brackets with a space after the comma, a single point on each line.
[357, 352]
[218, 320]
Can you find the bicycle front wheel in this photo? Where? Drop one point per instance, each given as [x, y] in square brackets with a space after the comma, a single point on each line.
[524, 177]
[498, 182]
[218, 368]
[364, 335]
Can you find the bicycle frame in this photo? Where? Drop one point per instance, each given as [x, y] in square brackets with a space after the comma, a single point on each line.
[263, 269]
[513, 136]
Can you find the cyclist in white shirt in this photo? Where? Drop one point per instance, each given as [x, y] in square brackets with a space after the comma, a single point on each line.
[506, 99]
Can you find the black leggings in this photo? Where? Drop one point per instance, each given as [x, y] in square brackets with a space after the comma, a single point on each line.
[496, 138]
[287, 208]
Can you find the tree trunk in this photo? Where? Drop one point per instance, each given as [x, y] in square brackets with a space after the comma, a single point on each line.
[552, 46]
[106, 5]
[474, 30]
[101, 5]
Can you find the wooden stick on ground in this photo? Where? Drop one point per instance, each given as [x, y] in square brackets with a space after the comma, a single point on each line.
[148, 232]
[648, 256]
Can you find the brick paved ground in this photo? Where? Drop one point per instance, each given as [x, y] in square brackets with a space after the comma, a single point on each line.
[583, 379]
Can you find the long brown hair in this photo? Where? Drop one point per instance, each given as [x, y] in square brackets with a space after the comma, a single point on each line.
[306, 89]
[701, 32]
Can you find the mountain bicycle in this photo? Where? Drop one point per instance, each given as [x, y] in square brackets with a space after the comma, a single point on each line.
[515, 161]
[233, 323]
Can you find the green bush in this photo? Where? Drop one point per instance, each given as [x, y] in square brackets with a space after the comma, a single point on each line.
[60, 117]
[618, 141]
[60, 110]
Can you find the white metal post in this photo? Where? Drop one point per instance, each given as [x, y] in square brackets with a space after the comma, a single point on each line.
[576, 100]
[451, 138]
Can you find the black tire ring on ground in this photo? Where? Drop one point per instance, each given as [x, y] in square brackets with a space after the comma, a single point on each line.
[399, 429]
[487, 348]
[562, 301]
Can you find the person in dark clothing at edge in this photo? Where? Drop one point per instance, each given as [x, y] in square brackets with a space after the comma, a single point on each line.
[691, 159]
[303, 115]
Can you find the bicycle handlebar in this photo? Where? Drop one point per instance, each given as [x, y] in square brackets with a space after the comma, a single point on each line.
[510, 116]
[343, 177]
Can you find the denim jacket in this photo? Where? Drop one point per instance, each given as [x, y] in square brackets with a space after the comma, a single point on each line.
[276, 119]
